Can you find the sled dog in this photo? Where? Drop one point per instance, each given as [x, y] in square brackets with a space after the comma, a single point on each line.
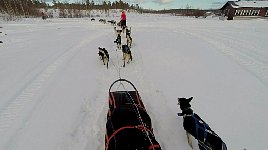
[118, 41]
[104, 56]
[102, 20]
[127, 56]
[196, 128]
[128, 31]
[129, 41]
[117, 32]
[129, 38]
[112, 22]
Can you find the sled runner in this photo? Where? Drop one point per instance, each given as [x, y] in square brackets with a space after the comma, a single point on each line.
[198, 128]
[128, 125]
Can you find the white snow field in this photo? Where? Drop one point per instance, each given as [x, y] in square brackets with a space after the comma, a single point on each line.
[54, 87]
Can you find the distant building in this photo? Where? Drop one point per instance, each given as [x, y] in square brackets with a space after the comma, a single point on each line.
[245, 9]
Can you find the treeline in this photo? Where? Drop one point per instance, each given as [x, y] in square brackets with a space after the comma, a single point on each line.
[21, 7]
[89, 5]
[184, 12]
[13, 9]
[31, 8]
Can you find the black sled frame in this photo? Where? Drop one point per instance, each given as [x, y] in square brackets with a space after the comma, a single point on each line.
[128, 124]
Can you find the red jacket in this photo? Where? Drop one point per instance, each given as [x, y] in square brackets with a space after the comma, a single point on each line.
[123, 16]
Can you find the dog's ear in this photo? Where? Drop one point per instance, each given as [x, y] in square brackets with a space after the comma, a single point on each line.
[184, 103]
[190, 99]
[184, 100]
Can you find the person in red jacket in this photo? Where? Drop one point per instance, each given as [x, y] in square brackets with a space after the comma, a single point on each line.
[43, 15]
[123, 20]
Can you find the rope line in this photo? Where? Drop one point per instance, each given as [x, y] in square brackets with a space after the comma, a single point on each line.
[140, 119]
[119, 67]
[137, 112]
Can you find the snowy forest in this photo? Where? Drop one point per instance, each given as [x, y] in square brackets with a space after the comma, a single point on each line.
[33, 8]
[16, 9]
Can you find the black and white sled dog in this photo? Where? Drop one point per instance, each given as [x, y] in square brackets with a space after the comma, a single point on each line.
[199, 134]
[128, 31]
[129, 38]
[102, 20]
[118, 39]
[129, 41]
[123, 27]
[104, 56]
[112, 22]
[127, 56]
[117, 32]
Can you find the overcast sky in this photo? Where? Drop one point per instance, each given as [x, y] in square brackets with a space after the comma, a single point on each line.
[167, 4]
[161, 4]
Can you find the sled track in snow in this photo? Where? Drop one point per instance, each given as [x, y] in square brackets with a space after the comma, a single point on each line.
[24, 102]
[252, 60]
[26, 95]
[94, 110]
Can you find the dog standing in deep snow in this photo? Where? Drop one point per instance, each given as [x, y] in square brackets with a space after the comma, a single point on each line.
[104, 56]
[198, 129]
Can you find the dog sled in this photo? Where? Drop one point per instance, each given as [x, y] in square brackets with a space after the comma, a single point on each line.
[128, 124]
[198, 128]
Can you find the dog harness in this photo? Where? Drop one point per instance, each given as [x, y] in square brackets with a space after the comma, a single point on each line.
[203, 128]
[118, 39]
[199, 124]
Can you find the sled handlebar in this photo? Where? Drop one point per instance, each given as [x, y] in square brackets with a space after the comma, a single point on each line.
[122, 80]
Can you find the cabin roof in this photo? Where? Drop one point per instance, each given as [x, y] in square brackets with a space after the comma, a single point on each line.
[247, 4]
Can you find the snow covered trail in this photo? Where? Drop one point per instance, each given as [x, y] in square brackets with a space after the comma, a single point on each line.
[247, 57]
[238, 45]
[34, 104]
[54, 87]
[193, 62]
[89, 132]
